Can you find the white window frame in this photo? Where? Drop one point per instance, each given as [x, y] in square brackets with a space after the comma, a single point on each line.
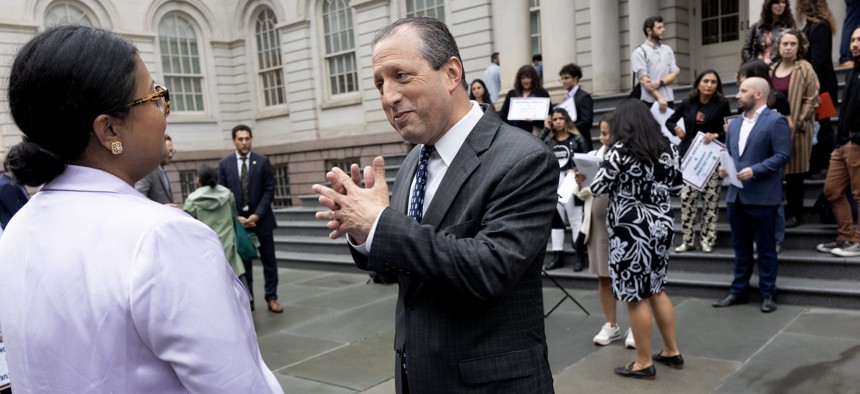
[424, 8]
[181, 83]
[270, 73]
[65, 20]
[534, 26]
[339, 49]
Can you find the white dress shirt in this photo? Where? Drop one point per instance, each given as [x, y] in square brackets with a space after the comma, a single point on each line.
[746, 128]
[105, 291]
[568, 104]
[446, 149]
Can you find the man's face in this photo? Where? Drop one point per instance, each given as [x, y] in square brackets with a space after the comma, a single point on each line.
[242, 142]
[568, 82]
[168, 152]
[416, 98]
[746, 96]
[658, 31]
[855, 45]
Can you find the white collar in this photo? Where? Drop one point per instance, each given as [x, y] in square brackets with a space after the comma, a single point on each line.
[450, 143]
[239, 157]
[756, 114]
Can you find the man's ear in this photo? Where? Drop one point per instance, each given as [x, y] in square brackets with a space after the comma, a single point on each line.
[104, 129]
[454, 72]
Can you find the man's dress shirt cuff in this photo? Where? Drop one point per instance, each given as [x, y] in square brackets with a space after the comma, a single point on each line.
[365, 247]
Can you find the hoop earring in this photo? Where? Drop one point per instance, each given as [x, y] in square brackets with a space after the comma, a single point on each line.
[116, 147]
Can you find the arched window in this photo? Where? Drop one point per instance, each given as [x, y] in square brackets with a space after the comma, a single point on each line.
[180, 62]
[339, 47]
[429, 8]
[66, 14]
[269, 59]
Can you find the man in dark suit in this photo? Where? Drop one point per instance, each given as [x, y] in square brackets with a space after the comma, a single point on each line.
[759, 144]
[12, 197]
[466, 243]
[577, 102]
[156, 186]
[249, 176]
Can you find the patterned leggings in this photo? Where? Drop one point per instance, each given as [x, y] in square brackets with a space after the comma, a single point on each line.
[689, 202]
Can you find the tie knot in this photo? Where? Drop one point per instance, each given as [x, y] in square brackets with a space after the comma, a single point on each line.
[426, 151]
[244, 158]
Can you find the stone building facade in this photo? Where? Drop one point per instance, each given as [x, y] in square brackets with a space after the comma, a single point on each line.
[299, 71]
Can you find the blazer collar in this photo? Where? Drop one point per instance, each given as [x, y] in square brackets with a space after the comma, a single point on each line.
[464, 164]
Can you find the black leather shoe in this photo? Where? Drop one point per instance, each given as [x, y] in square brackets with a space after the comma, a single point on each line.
[645, 373]
[729, 301]
[791, 222]
[676, 362]
[578, 265]
[768, 305]
[555, 262]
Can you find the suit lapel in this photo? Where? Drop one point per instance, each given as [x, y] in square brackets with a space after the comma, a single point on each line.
[463, 165]
[400, 194]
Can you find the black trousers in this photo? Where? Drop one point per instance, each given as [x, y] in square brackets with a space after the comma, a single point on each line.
[820, 158]
[794, 195]
[270, 267]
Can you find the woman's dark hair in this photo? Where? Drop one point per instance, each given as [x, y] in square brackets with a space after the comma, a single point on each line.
[207, 176]
[758, 68]
[60, 82]
[635, 127]
[785, 20]
[527, 71]
[568, 122]
[694, 93]
[486, 97]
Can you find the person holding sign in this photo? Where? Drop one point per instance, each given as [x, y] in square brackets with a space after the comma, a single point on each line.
[526, 85]
[566, 140]
[759, 144]
[703, 111]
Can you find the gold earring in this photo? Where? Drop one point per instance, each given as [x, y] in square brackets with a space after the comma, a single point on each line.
[116, 147]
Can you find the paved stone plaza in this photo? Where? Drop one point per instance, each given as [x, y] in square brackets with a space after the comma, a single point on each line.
[337, 332]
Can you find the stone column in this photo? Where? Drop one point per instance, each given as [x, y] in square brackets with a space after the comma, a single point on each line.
[511, 37]
[638, 11]
[558, 29]
[605, 41]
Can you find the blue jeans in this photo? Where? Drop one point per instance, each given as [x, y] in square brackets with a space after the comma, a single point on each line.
[753, 223]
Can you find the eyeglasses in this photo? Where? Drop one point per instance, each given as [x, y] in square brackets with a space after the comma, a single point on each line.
[161, 98]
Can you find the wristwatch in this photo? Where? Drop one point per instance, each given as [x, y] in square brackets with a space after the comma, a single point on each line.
[662, 83]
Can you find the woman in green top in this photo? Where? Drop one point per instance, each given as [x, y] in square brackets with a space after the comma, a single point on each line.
[213, 205]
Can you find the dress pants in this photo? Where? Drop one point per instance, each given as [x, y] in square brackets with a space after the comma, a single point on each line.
[270, 267]
[689, 201]
[844, 172]
[753, 223]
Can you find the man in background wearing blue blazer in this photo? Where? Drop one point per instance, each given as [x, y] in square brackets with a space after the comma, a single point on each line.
[759, 144]
[467, 241]
[249, 176]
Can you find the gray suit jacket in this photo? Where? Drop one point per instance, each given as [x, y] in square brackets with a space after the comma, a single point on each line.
[470, 308]
[153, 188]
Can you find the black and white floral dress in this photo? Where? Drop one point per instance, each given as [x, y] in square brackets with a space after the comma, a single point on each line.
[639, 219]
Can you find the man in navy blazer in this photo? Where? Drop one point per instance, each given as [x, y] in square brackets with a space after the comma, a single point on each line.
[467, 242]
[759, 144]
[12, 197]
[254, 207]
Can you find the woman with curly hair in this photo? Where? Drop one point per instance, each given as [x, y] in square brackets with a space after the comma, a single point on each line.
[762, 35]
[526, 84]
[819, 30]
[794, 77]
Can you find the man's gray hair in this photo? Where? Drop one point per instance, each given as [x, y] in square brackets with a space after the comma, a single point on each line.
[436, 44]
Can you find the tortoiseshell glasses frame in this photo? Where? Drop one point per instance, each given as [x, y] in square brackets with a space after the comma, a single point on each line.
[161, 98]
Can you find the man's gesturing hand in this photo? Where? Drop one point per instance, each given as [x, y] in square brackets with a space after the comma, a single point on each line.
[353, 209]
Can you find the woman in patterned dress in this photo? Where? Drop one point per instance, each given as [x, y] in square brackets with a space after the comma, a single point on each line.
[639, 173]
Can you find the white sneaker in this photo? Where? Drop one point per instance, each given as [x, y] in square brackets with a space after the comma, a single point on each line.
[629, 342]
[607, 335]
[851, 250]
